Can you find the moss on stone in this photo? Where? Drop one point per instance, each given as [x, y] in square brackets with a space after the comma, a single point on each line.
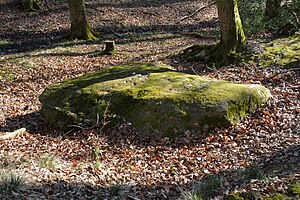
[153, 97]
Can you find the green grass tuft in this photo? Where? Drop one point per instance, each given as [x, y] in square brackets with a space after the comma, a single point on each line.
[9, 182]
[208, 188]
[253, 172]
[47, 161]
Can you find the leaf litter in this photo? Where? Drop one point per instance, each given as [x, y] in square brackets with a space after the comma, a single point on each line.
[120, 163]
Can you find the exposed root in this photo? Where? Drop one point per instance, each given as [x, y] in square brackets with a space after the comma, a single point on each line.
[216, 55]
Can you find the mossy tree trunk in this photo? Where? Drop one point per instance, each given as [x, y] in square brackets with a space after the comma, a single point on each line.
[30, 5]
[80, 28]
[272, 7]
[232, 34]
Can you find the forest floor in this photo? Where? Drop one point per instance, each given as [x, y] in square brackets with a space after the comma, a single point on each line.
[260, 155]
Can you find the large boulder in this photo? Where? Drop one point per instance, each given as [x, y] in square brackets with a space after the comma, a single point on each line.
[152, 97]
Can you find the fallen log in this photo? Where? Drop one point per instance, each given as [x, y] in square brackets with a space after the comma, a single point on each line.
[12, 134]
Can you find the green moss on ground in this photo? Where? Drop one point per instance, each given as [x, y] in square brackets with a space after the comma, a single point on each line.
[153, 97]
[235, 196]
[284, 52]
[276, 196]
[257, 195]
[292, 193]
[295, 189]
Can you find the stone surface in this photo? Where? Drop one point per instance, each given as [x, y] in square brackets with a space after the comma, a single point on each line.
[152, 97]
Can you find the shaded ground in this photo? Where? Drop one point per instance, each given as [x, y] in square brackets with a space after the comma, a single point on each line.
[120, 163]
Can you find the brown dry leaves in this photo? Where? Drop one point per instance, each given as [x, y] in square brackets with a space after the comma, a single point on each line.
[121, 163]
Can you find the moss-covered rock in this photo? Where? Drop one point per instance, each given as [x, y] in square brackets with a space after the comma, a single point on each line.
[153, 97]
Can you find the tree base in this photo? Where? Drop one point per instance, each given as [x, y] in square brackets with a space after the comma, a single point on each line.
[89, 35]
[220, 55]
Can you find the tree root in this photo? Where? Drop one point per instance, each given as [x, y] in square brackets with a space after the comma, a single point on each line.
[220, 55]
[215, 55]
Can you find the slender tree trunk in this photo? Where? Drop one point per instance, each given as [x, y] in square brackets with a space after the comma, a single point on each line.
[232, 34]
[80, 27]
[272, 7]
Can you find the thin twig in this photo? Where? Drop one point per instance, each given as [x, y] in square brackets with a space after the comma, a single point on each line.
[198, 10]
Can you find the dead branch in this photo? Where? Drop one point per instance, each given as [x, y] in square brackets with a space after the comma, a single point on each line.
[198, 10]
[12, 134]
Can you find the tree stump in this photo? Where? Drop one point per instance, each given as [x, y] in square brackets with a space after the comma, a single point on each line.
[110, 48]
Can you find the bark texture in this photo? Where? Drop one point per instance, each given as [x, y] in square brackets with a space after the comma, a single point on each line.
[80, 28]
[232, 34]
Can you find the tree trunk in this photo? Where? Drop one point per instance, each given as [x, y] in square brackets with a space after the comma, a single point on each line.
[80, 28]
[272, 7]
[30, 5]
[232, 34]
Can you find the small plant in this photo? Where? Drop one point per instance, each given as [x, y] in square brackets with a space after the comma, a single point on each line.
[116, 189]
[192, 195]
[9, 182]
[47, 161]
[97, 165]
[107, 116]
[97, 153]
[3, 42]
[78, 167]
[210, 186]
[253, 172]
[207, 188]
